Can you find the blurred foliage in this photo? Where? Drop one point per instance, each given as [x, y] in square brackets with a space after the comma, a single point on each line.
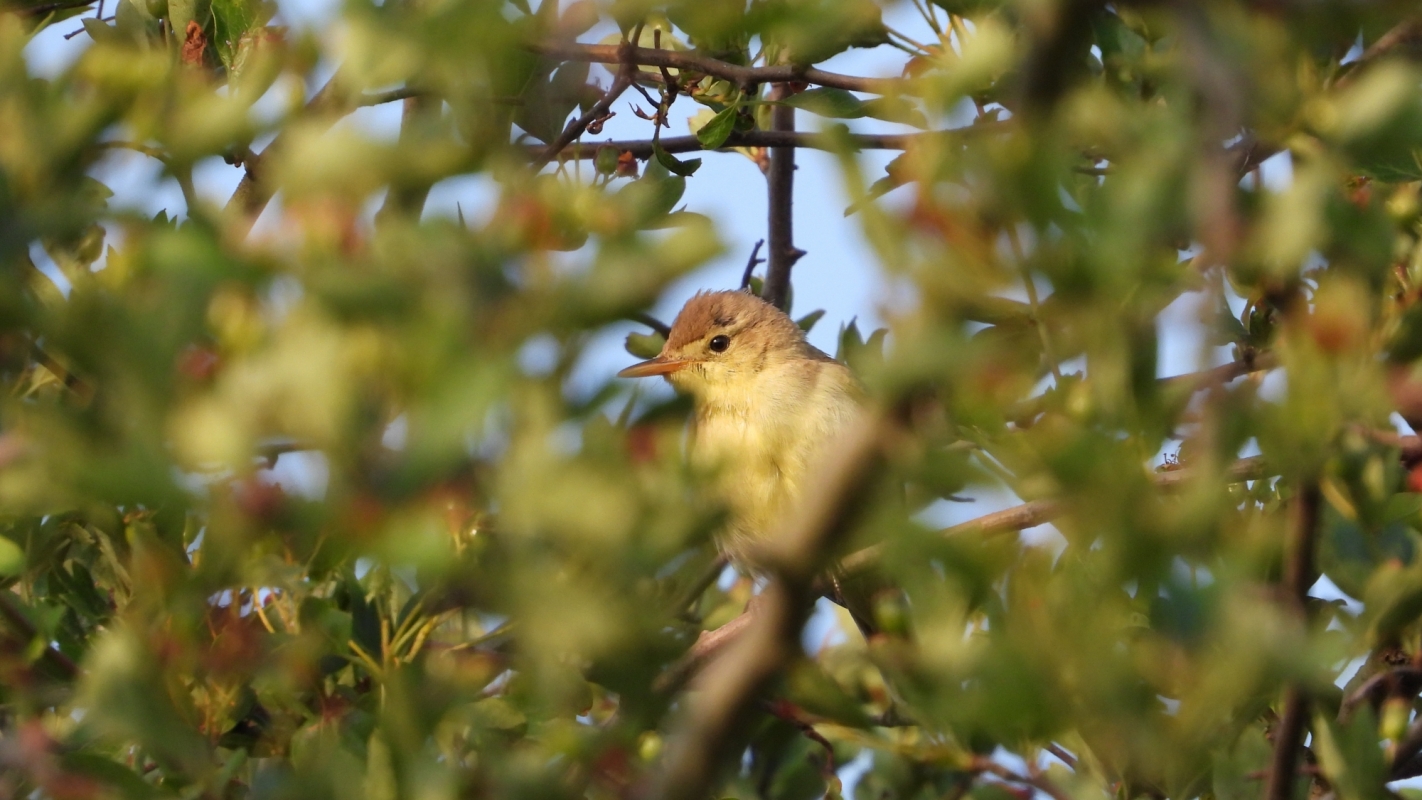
[316, 510]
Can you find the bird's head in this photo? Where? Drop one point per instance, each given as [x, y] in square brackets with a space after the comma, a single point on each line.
[721, 342]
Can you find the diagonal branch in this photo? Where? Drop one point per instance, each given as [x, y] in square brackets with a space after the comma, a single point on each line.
[253, 193]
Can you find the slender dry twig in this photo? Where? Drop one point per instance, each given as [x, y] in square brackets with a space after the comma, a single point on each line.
[155, 153]
[751, 263]
[704, 65]
[1399, 681]
[380, 98]
[707, 645]
[1298, 577]
[651, 322]
[780, 186]
[47, 8]
[1038, 782]
[1250, 361]
[1062, 754]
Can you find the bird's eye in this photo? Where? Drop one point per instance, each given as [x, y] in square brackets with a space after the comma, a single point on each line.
[718, 344]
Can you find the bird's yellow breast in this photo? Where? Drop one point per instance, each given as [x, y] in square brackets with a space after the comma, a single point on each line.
[765, 435]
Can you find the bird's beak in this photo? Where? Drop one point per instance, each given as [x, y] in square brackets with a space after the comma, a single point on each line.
[661, 365]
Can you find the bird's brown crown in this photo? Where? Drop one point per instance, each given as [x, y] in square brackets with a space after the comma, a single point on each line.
[730, 311]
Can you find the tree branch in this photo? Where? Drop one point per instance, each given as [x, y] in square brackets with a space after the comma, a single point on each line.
[651, 322]
[394, 95]
[1038, 512]
[1298, 577]
[705, 65]
[39, 11]
[780, 189]
[642, 148]
[409, 198]
[1251, 361]
[252, 194]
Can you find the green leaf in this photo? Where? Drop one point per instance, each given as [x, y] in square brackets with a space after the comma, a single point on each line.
[808, 321]
[12, 558]
[606, 160]
[231, 20]
[99, 30]
[715, 133]
[828, 102]
[895, 109]
[645, 345]
[673, 165]
[1350, 755]
[652, 196]
[547, 102]
[109, 772]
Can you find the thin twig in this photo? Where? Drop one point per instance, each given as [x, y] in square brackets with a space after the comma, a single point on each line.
[651, 322]
[380, 98]
[704, 65]
[786, 712]
[751, 263]
[1062, 754]
[707, 645]
[1404, 681]
[1298, 577]
[47, 8]
[156, 153]
[985, 764]
[1250, 361]
[1048, 354]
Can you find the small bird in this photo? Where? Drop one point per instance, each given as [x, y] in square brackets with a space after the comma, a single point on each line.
[768, 404]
